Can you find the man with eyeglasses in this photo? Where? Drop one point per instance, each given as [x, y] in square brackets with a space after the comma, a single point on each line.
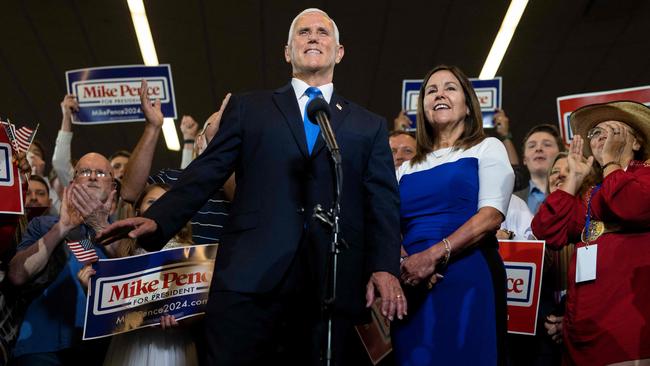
[45, 266]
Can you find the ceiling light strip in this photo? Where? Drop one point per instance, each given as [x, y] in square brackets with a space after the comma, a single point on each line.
[503, 38]
[150, 58]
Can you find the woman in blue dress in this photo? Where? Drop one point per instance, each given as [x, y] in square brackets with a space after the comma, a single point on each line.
[454, 196]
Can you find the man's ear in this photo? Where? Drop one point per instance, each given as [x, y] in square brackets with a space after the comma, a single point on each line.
[287, 54]
[340, 51]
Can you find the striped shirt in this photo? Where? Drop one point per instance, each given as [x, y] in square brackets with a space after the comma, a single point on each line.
[208, 222]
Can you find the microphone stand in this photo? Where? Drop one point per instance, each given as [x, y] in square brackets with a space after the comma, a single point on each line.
[331, 219]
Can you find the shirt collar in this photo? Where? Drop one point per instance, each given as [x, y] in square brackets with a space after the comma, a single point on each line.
[299, 87]
[532, 187]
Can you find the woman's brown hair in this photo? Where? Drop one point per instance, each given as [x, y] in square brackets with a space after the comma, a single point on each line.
[127, 246]
[427, 135]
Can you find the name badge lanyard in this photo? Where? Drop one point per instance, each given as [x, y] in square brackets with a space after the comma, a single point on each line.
[588, 218]
[586, 257]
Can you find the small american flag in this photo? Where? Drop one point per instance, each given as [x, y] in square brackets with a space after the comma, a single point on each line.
[24, 137]
[10, 133]
[84, 250]
[20, 139]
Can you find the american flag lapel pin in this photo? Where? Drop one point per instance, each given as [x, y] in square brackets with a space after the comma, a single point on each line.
[339, 106]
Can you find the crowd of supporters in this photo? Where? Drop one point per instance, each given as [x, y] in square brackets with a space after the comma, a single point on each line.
[461, 188]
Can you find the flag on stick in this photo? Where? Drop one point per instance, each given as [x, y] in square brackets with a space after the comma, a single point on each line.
[20, 139]
[25, 136]
[9, 129]
[84, 250]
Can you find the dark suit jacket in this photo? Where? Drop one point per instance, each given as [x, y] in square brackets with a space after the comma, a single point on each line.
[262, 139]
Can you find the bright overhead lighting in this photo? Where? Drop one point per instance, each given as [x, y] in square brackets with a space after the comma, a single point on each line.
[171, 137]
[143, 32]
[150, 58]
[501, 42]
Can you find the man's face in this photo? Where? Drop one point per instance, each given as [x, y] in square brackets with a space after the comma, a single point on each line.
[118, 164]
[37, 195]
[313, 45]
[539, 151]
[403, 148]
[94, 172]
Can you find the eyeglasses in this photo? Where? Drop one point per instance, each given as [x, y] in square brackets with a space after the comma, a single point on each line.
[88, 172]
[596, 132]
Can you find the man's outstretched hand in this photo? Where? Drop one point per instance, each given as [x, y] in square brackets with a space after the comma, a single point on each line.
[133, 228]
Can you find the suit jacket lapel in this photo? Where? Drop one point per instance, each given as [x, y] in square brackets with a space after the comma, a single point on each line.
[285, 99]
[340, 109]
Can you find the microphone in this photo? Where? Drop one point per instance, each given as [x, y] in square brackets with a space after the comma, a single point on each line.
[319, 113]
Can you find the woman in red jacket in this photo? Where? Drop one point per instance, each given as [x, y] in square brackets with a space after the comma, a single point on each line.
[607, 316]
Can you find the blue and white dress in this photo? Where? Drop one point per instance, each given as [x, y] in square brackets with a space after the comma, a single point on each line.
[462, 320]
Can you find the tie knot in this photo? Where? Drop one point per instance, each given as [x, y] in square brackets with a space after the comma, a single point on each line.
[313, 92]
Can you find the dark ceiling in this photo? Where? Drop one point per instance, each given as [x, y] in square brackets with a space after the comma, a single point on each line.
[561, 47]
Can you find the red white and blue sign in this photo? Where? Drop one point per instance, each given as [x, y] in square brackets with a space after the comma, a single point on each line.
[10, 187]
[487, 91]
[567, 104]
[134, 292]
[524, 262]
[112, 94]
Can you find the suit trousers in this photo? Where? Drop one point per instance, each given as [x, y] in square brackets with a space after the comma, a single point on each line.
[284, 327]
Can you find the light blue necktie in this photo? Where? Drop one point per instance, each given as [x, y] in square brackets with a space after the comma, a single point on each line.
[311, 130]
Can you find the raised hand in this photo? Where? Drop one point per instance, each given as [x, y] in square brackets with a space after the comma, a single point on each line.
[23, 163]
[69, 105]
[69, 217]
[618, 144]
[214, 121]
[402, 121]
[579, 167]
[152, 112]
[37, 164]
[189, 128]
[95, 213]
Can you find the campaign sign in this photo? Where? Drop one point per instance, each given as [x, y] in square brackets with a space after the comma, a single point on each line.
[410, 93]
[11, 190]
[524, 261]
[133, 292]
[567, 104]
[112, 94]
[487, 91]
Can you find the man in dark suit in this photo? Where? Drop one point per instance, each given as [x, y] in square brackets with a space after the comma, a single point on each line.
[270, 272]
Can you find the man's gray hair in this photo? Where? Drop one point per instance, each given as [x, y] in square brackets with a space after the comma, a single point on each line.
[313, 10]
